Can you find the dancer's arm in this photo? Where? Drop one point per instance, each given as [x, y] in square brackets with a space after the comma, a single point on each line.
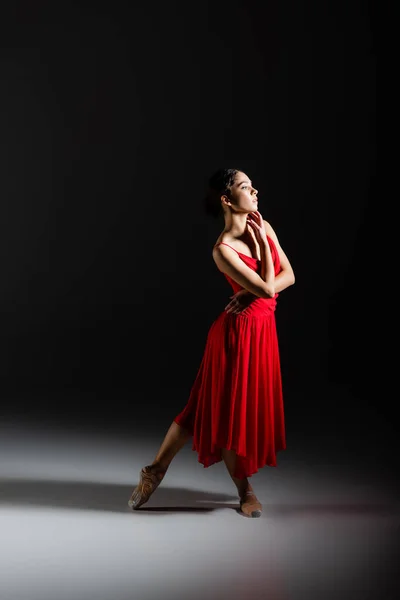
[285, 277]
[228, 261]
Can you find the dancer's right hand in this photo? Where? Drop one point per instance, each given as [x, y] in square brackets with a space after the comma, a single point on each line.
[256, 224]
[239, 302]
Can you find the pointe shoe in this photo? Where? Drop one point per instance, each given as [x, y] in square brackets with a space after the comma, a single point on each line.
[249, 505]
[150, 479]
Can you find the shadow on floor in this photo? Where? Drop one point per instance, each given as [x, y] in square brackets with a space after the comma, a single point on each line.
[106, 497]
[114, 498]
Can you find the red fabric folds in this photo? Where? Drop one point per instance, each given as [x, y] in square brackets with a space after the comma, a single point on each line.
[236, 401]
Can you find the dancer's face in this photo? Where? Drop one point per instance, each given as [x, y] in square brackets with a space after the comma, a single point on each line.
[243, 196]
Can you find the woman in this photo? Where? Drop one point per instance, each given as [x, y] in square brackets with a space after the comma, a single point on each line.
[235, 408]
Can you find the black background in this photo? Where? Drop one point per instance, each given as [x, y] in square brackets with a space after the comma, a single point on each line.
[113, 116]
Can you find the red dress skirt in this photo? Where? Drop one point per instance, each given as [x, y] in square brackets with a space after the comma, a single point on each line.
[236, 400]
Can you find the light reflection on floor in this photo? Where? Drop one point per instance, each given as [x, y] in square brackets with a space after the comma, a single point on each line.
[68, 534]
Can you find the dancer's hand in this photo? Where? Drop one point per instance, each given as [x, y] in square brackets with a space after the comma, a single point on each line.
[256, 224]
[239, 302]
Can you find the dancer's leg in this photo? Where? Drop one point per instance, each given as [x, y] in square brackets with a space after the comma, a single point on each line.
[175, 438]
[229, 458]
[152, 475]
[249, 504]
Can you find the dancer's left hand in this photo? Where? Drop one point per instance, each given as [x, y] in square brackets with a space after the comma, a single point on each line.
[239, 302]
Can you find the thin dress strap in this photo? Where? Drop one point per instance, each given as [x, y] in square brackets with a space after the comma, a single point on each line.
[223, 243]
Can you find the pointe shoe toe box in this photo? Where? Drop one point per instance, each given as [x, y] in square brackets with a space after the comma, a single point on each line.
[149, 481]
[250, 506]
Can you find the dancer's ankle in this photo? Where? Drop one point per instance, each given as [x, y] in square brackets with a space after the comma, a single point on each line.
[243, 486]
[158, 467]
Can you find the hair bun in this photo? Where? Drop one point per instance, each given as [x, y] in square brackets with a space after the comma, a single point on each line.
[219, 184]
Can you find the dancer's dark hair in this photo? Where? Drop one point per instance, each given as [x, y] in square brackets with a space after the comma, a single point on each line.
[220, 183]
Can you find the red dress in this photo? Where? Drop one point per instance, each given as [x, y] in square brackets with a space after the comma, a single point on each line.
[236, 400]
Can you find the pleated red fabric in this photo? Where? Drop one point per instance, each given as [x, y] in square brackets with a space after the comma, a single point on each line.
[236, 401]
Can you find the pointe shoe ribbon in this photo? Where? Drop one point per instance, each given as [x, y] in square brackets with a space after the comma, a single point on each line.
[149, 482]
[249, 505]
